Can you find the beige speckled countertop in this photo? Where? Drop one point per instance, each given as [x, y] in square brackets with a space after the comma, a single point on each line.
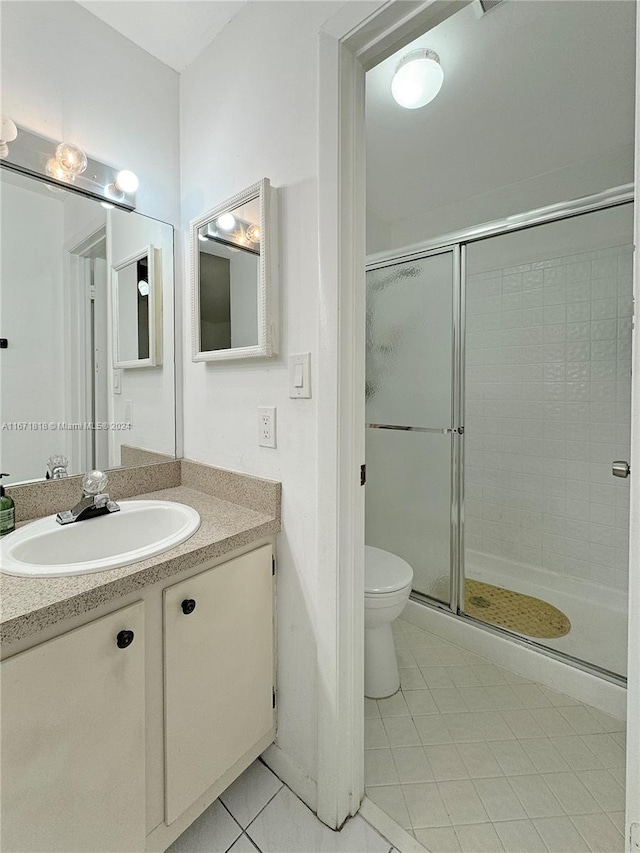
[30, 604]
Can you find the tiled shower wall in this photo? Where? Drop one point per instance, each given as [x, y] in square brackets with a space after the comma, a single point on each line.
[548, 364]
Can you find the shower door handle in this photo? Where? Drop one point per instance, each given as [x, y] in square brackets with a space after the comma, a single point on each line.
[620, 469]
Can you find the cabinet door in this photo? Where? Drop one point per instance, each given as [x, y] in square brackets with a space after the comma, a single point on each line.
[73, 741]
[218, 673]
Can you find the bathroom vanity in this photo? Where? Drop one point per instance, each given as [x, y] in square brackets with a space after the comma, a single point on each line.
[132, 698]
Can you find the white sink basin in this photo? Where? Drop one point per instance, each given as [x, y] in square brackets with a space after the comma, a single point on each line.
[140, 530]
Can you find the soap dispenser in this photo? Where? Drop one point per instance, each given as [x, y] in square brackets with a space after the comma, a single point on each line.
[7, 511]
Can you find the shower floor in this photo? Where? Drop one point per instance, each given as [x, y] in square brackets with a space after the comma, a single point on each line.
[598, 617]
[471, 757]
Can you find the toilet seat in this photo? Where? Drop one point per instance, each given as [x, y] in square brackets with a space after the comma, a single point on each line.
[384, 572]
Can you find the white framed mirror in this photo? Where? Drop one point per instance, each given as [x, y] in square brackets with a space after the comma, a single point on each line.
[136, 301]
[233, 277]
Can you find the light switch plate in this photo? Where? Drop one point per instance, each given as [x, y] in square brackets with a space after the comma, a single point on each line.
[300, 375]
[117, 382]
[267, 426]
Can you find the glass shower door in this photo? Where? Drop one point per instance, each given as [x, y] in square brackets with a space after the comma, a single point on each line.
[410, 417]
[548, 390]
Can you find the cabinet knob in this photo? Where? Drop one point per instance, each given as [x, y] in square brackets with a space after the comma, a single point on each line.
[124, 639]
[188, 606]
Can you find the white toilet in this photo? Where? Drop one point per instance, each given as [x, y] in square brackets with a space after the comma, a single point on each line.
[387, 583]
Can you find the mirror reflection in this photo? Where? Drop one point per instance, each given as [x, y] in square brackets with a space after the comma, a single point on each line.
[229, 278]
[136, 304]
[68, 403]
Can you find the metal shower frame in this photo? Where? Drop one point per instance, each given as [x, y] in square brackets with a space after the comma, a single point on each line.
[456, 244]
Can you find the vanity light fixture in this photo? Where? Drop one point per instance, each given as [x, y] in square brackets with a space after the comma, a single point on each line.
[8, 132]
[226, 222]
[253, 233]
[68, 161]
[235, 233]
[418, 78]
[127, 182]
[72, 160]
[64, 165]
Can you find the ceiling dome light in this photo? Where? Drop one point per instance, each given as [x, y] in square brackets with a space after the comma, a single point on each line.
[418, 78]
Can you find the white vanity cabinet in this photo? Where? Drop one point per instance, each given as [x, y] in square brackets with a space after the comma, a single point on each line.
[73, 740]
[117, 735]
[218, 673]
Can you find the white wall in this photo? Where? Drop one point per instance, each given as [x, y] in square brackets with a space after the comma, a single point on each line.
[31, 313]
[67, 75]
[241, 121]
[573, 181]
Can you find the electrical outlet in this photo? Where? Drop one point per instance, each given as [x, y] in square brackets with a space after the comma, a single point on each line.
[267, 426]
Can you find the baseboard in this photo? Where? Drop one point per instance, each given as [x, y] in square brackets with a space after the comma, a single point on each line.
[293, 777]
[530, 663]
[398, 837]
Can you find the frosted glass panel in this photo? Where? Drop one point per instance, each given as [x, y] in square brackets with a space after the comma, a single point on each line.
[408, 503]
[409, 317]
[409, 352]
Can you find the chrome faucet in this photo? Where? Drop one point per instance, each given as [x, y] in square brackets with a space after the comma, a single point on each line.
[95, 501]
[57, 467]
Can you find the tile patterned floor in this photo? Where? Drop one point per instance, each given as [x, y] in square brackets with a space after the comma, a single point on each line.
[471, 758]
[259, 813]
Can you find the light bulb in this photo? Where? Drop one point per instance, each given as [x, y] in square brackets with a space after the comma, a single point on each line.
[418, 79]
[253, 233]
[71, 158]
[143, 288]
[226, 222]
[127, 182]
[8, 132]
[55, 170]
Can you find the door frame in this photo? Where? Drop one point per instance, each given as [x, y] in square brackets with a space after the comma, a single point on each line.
[78, 252]
[357, 37]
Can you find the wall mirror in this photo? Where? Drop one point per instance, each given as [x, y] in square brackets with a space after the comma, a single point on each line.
[233, 277]
[66, 403]
[137, 304]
